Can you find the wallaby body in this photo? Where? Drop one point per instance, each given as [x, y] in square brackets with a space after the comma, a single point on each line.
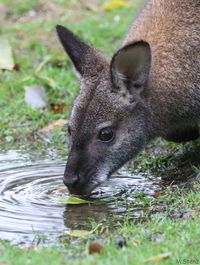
[172, 28]
[150, 88]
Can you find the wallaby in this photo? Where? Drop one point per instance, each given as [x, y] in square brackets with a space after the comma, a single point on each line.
[150, 88]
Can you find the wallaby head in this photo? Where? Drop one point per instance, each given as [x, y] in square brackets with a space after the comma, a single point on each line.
[109, 122]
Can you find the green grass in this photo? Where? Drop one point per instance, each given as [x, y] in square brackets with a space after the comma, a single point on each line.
[181, 239]
[30, 29]
[34, 40]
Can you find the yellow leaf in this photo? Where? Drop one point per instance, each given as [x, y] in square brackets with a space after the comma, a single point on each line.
[6, 56]
[71, 200]
[51, 126]
[82, 233]
[158, 258]
[113, 4]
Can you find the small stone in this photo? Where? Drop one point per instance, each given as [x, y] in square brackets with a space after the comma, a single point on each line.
[95, 246]
[35, 96]
[117, 18]
[157, 237]
[120, 241]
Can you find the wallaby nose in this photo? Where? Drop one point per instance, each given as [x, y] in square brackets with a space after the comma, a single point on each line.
[70, 181]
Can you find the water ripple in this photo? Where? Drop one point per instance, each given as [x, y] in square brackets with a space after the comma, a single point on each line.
[27, 193]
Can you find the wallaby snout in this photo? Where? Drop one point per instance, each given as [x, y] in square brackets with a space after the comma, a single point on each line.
[70, 180]
[79, 182]
[82, 172]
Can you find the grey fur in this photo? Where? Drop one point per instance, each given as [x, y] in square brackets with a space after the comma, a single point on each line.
[158, 96]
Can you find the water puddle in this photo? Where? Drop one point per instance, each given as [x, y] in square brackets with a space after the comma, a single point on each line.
[28, 192]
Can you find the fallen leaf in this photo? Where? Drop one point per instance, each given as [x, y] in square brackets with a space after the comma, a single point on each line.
[16, 67]
[82, 233]
[78, 233]
[157, 194]
[35, 96]
[158, 258]
[6, 56]
[71, 200]
[57, 107]
[113, 4]
[95, 246]
[51, 126]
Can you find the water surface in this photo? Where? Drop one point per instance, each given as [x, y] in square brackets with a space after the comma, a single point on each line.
[29, 187]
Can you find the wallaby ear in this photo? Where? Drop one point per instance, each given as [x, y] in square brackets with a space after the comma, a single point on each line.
[130, 68]
[74, 47]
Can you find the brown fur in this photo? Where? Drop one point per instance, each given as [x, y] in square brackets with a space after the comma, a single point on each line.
[172, 28]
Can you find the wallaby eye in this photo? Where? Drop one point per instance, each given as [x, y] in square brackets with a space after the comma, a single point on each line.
[106, 134]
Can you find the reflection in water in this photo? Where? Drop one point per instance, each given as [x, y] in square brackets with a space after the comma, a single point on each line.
[27, 199]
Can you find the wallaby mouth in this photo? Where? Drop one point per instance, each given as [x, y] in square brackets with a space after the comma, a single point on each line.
[81, 178]
[81, 189]
[80, 185]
